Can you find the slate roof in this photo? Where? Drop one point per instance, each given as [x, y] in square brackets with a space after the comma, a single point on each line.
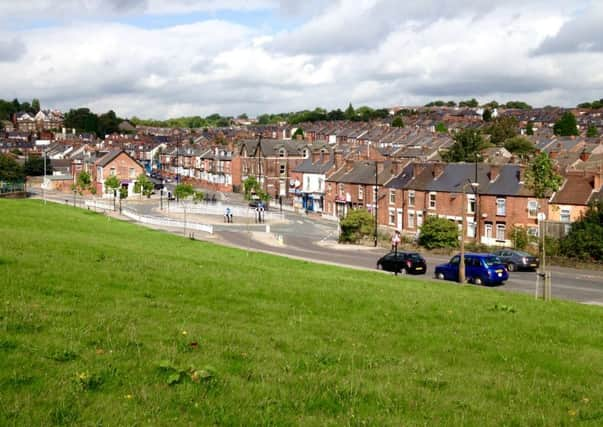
[362, 172]
[316, 168]
[271, 147]
[456, 175]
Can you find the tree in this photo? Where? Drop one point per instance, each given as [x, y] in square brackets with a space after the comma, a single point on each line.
[83, 182]
[242, 116]
[107, 124]
[252, 187]
[111, 184]
[350, 113]
[35, 105]
[471, 103]
[592, 131]
[397, 122]
[143, 186]
[468, 142]
[10, 170]
[438, 232]
[530, 128]
[298, 132]
[182, 191]
[34, 166]
[541, 177]
[520, 105]
[487, 115]
[441, 127]
[81, 119]
[566, 125]
[520, 146]
[501, 129]
[585, 238]
[358, 223]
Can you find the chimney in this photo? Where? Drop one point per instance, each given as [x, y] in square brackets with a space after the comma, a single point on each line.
[520, 174]
[339, 161]
[438, 170]
[417, 168]
[494, 172]
[349, 164]
[553, 154]
[584, 156]
[315, 156]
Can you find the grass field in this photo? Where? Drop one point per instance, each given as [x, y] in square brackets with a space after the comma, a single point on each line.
[107, 323]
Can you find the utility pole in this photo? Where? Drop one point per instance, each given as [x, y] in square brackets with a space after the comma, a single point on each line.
[376, 196]
[44, 182]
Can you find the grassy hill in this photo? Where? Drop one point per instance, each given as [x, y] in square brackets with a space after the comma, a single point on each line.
[105, 322]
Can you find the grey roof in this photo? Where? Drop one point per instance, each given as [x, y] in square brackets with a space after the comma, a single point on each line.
[362, 172]
[456, 175]
[271, 147]
[318, 168]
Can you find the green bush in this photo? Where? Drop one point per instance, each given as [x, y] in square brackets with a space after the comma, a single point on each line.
[357, 224]
[438, 233]
[520, 237]
[585, 239]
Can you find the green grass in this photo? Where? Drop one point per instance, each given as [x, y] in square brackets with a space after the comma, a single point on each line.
[107, 323]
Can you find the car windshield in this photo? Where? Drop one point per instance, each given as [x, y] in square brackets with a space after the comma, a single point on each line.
[415, 257]
[520, 253]
[492, 260]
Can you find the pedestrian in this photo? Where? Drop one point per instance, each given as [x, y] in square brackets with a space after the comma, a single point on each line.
[395, 241]
[227, 215]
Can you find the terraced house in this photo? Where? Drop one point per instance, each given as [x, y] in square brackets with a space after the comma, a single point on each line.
[500, 201]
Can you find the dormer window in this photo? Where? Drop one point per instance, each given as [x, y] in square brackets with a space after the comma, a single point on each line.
[306, 153]
[282, 152]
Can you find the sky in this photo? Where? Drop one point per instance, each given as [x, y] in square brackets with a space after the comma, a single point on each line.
[161, 59]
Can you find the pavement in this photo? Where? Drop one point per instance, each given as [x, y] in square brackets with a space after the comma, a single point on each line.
[314, 239]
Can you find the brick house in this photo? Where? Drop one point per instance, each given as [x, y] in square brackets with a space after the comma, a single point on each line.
[272, 161]
[571, 201]
[500, 202]
[116, 163]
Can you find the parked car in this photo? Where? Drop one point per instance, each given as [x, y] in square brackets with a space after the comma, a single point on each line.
[479, 269]
[518, 260]
[403, 262]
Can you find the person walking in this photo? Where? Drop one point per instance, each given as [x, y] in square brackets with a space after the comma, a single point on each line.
[395, 241]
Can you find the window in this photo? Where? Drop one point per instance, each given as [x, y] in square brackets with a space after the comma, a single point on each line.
[488, 230]
[360, 192]
[112, 171]
[392, 197]
[419, 219]
[532, 208]
[392, 216]
[432, 200]
[471, 204]
[501, 207]
[564, 215]
[320, 185]
[411, 198]
[411, 220]
[533, 231]
[340, 188]
[471, 229]
[500, 231]
[282, 170]
[307, 183]
[132, 173]
[282, 152]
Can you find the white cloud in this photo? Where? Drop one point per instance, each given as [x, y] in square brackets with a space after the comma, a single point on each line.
[374, 53]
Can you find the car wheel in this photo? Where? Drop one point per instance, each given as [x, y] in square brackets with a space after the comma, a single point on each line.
[478, 281]
[402, 271]
[440, 276]
[511, 267]
[379, 267]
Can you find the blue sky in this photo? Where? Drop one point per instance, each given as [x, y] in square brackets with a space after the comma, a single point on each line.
[155, 58]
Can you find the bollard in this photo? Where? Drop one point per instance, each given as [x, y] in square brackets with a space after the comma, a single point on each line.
[267, 228]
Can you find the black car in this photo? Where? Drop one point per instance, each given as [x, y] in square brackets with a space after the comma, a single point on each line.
[518, 260]
[402, 262]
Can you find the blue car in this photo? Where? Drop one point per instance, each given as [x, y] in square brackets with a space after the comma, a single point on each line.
[480, 269]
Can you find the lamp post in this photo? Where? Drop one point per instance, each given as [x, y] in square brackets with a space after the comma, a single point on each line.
[161, 199]
[463, 219]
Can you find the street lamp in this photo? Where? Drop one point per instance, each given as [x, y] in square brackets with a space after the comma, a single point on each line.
[376, 196]
[475, 185]
[44, 182]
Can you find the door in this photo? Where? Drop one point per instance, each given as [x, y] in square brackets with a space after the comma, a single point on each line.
[399, 219]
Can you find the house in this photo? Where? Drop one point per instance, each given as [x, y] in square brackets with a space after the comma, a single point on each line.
[314, 170]
[116, 163]
[571, 201]
[272, 161]
[500, 201]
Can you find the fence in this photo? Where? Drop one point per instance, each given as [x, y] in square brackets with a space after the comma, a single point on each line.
[11, 187]
[167, 222]
[219, 209]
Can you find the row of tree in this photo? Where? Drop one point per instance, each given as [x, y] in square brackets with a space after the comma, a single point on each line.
[12, 171]
[84, 120]
[191, 122]
[8, 108]
[473, 103]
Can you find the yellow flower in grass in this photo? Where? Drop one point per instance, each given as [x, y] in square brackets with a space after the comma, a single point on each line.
[184, 333]
[128, 396]
[572, 412]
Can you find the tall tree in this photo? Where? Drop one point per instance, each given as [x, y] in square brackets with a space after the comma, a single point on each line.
[487, 115]
[501, 129]
[35, 105]
[520, 145]
[468, 143]
[81, 119]
[83, 182]
[397, 122]
[567, 125]
[530, 128]
[34, 166]
[592, 131]
[107, 124]
[541, 176]
[350, 113]
[10, 170]
[143, 186]
[471, 103]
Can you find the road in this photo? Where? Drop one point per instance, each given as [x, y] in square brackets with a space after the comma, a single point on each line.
[315, 239]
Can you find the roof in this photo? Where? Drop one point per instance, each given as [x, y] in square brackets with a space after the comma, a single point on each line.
[362, 172]
[318, 168]
[576, 190]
